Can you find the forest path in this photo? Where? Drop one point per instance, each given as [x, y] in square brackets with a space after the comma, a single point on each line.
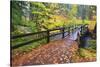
[55, 52]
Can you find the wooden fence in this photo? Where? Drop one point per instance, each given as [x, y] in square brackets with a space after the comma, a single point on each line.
[37, 36]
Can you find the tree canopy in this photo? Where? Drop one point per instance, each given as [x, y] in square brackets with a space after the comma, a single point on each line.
[29, 16]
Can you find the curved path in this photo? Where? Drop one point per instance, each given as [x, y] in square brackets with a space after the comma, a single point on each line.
[54, 52]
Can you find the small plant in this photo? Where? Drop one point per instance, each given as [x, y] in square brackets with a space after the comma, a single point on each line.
[87, 53]
[92, 44]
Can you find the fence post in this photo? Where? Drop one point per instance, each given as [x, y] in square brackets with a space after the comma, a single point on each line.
[81, 29]
[48, 36]
[68, 30]
[85, 27]
[63, 32]
[73, 28]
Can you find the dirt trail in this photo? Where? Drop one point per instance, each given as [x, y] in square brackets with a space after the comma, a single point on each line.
[55, 52]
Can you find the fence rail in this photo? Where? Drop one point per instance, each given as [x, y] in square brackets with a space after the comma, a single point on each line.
[46, 34]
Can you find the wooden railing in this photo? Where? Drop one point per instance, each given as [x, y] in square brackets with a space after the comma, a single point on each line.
[45, 34]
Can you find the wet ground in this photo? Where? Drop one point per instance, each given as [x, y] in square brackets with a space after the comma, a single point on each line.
[55, 52]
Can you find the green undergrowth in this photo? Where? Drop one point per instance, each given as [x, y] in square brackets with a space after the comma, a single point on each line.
[90, 51]
[28, 47]
[87, 53]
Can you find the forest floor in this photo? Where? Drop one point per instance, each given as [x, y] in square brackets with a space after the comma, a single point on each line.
[55, 52]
